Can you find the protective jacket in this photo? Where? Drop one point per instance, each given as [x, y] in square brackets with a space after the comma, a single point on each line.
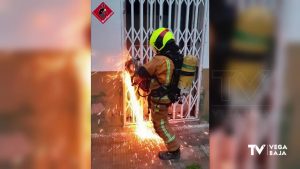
[160, 70]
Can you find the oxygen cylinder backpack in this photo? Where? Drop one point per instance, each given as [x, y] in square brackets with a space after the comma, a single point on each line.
[182, 78]
[187, 73]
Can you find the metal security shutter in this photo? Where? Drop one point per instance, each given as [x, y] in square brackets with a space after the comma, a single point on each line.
[187, 19]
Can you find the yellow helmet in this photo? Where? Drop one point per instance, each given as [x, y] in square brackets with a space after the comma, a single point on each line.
[160, 37]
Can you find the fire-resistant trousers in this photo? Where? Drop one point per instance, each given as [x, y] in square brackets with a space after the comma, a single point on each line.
[162, 127]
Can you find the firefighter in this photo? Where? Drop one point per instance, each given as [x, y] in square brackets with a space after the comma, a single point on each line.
[160, 70]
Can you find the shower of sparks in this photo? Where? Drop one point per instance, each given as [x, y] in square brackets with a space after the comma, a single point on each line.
[142, 129]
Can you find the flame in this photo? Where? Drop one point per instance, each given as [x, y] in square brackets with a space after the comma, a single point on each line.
[143, 130]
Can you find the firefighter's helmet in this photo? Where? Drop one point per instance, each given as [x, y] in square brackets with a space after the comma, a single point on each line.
[160, 37]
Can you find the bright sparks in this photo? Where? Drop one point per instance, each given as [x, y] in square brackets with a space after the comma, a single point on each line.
[142, 130]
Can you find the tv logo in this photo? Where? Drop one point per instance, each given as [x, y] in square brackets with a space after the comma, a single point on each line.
[272, 149]
[255, 147]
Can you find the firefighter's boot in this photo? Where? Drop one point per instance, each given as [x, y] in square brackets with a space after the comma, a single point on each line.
[169, 155]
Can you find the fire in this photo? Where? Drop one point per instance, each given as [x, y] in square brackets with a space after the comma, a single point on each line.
[142, 130]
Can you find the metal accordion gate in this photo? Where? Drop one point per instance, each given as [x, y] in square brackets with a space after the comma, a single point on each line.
[188, 20]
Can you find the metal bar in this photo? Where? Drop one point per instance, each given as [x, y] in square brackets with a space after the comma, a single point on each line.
[141, 31]
[194, 29]
[132, 27]
[174, 105]
[133, 41]
[147, 28]
[170, 14]
[147, 16]
[189, 103]
[186, 30]
[178, 21]
[154, 19]
[151, 21]
[161, 4]
[192, 26]
[175, 20]
[133, 45]
[205, 22]
[195, 26]
[176, 29]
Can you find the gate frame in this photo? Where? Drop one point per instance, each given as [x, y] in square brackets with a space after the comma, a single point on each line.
[203, 32]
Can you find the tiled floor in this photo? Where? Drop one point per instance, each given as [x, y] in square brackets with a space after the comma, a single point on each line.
[119, 148]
